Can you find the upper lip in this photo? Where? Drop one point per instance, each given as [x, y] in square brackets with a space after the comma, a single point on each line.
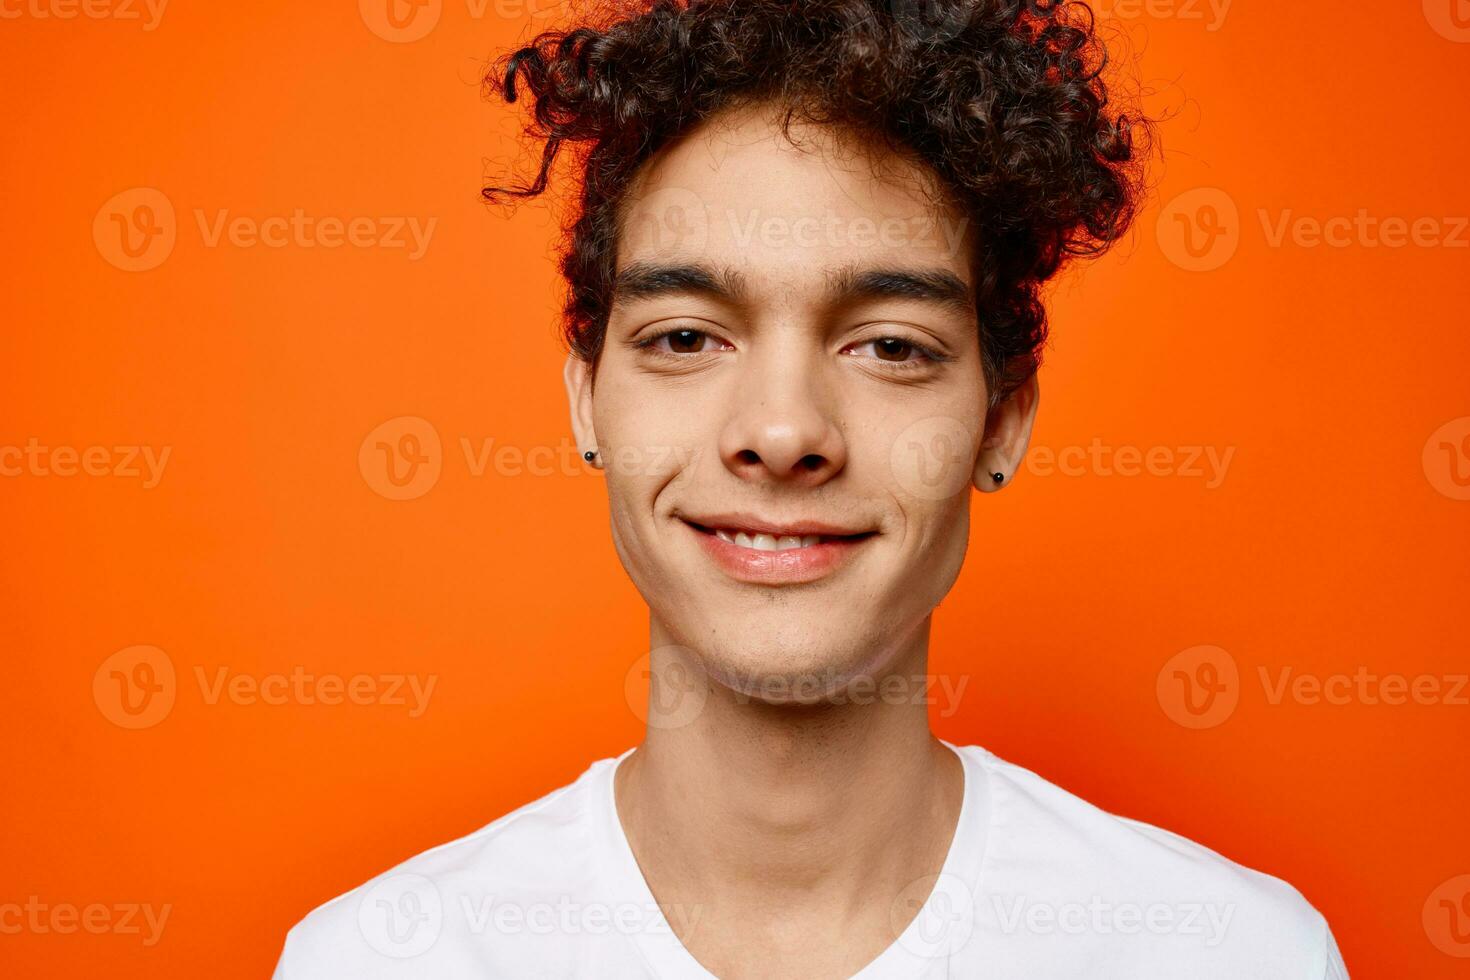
[755, 524]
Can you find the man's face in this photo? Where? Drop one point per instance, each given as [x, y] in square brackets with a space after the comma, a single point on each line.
[789, 402]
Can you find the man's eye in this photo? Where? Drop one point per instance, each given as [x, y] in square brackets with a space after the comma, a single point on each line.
[892, 349]
[684, 342]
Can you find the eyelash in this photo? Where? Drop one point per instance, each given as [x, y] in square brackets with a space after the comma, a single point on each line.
[929, 354]
[648, 343]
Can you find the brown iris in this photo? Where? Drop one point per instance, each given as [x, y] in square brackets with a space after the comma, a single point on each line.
[686, 341]
[892, 349]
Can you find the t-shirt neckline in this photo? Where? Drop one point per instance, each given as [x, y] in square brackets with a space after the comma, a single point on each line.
[923, 941]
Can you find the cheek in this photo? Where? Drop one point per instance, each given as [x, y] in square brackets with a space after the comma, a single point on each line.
[936, 540]
[919, 445]
[643, 432]
[645, 452]
[650, 441]
[925, 461]
[947, 535]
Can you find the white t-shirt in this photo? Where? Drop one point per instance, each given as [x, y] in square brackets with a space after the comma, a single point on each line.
[1037, 884]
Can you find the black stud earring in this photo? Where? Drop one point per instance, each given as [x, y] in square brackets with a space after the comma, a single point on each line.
[997, 477]
[590, 455]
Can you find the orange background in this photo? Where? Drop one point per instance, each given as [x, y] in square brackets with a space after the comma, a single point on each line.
[1333, 543]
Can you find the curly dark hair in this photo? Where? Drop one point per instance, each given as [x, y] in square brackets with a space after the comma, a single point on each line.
[1005, 100]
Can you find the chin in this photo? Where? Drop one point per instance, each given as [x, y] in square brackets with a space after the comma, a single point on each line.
[804, 662]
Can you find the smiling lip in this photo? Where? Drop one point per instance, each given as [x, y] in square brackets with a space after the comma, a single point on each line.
[751, 549]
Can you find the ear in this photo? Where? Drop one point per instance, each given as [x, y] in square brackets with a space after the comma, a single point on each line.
[577, 374]
[1007, 434]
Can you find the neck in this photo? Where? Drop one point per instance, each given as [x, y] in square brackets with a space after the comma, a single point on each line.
[806, 805]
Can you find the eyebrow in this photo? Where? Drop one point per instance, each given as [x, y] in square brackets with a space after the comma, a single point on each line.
[848, 284]
[939, 286]
[644, 280]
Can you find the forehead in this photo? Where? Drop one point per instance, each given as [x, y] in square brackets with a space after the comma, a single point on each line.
[737, 194]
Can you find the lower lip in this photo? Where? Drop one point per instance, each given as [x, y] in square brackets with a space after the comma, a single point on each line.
[789, 566]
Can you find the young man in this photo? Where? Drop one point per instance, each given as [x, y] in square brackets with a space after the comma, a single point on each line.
[803, 323]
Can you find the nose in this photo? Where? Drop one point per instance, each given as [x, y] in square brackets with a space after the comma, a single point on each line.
[783, 428]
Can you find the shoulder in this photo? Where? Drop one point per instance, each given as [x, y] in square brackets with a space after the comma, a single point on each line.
[1057, 865]
[408, 917]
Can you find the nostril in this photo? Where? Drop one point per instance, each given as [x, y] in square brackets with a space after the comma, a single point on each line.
[812, 462]
[748, 456]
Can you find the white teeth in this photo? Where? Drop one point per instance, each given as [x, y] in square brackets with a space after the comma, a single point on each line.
[768, 542]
